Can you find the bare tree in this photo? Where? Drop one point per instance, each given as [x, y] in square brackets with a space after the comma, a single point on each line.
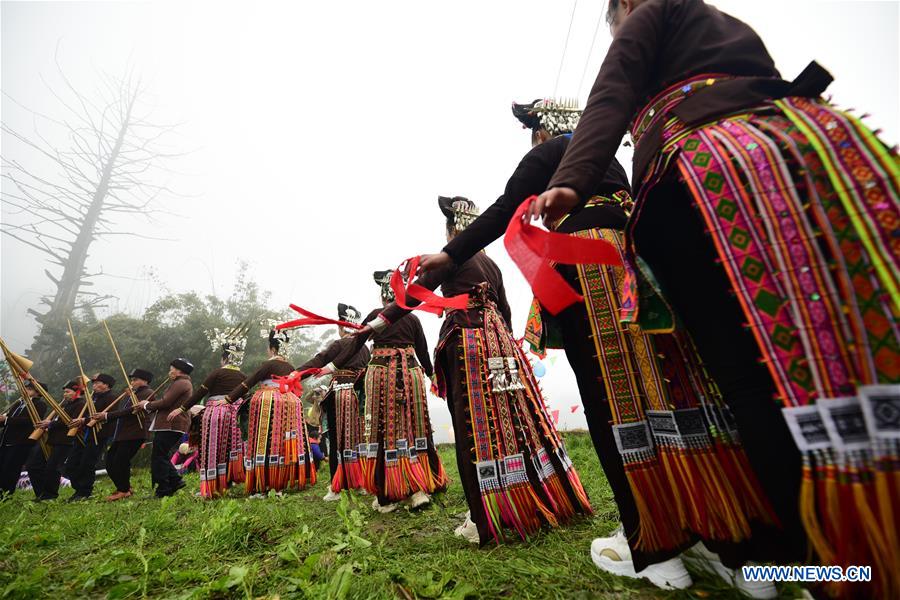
[110, 165]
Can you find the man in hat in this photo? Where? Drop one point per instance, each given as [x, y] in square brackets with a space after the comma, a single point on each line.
[48, 472]
[217, 430]
[129, 434]
[82, 464]
[167, 433]
[15, 444]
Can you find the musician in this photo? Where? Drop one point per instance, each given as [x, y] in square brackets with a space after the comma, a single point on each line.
[15, 444]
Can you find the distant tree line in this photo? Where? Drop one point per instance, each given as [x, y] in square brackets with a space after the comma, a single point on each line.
[173, 326]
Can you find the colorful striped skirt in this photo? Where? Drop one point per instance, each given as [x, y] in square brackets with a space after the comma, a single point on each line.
[221, 447]
[525, 479]
[802, 205]
[278, 453]
[685, 465]
[348, 430]
[398, 456]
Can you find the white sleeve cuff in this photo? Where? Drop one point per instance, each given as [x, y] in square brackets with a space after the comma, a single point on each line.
[330, 367]
[378, 324]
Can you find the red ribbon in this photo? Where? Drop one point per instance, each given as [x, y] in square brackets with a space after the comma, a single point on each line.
[532, 249]
[310, 318]
[430, 302]
[293, 383]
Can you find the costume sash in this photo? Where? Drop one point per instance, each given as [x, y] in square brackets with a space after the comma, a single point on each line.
[311, 318]
[430, 302]
[533, 249]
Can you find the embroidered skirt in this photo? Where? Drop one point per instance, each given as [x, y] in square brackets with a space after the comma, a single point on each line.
[802, 205]
[221, 447]
[683, 459]
[522, 477]
[398, 455]
[348, 431]
[278, 454]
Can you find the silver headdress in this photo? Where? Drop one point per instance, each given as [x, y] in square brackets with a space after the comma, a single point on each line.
[461, 211]
[556, 116]
[232, 342]
[273, 335]
[464, 213]
[349, 313]
[383, 279]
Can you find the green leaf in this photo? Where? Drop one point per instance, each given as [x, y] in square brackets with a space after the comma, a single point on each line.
[236, 576]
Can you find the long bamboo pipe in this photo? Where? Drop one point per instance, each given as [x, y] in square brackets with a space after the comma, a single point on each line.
[112, 343]
[93, 422]
[26, 399]
[57, 410]
[88, 395]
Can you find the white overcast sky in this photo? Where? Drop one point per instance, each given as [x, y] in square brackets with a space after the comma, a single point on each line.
[322, 133]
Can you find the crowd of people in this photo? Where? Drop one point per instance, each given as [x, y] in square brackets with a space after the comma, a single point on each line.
[737, 350]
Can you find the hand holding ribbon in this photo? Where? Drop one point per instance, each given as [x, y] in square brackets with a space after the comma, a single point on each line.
[533, 249]
[430, 302]
[293, 383]
[311, 318]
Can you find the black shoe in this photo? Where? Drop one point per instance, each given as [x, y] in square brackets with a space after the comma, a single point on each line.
[180, 485]
[78, 498]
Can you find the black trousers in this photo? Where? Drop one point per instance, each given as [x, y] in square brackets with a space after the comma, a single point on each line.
[118, 462]
[36, 467]
[82, 465]
[53, 470]
[163, 474]
[12, 459]
[331, 415]
[670, 237]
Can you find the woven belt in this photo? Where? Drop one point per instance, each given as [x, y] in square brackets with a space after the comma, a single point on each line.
[392, 350]
[659, 107]
[217, 399]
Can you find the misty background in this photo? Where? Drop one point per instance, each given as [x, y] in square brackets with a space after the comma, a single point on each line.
[311, 140]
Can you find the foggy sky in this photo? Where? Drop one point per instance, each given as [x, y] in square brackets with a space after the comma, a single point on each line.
[322, 133]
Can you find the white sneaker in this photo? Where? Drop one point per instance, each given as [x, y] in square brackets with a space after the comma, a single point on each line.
[703, 560]
[612, 554]
[418, 500]
[389, 508]
[331, 496]
[468, 531]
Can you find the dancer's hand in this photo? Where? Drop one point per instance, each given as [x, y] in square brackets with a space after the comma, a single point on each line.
[174, 414]
[553, 205]
[77, 422]
[45, 424]
[432, 262]
[100, 416]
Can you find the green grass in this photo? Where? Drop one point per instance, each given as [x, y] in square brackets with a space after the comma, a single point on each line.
[298, 546]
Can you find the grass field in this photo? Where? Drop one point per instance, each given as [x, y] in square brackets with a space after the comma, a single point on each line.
[298, 546]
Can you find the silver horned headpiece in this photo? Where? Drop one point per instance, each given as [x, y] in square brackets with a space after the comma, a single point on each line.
[557, 116]
[232, 342]
[273, 335]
